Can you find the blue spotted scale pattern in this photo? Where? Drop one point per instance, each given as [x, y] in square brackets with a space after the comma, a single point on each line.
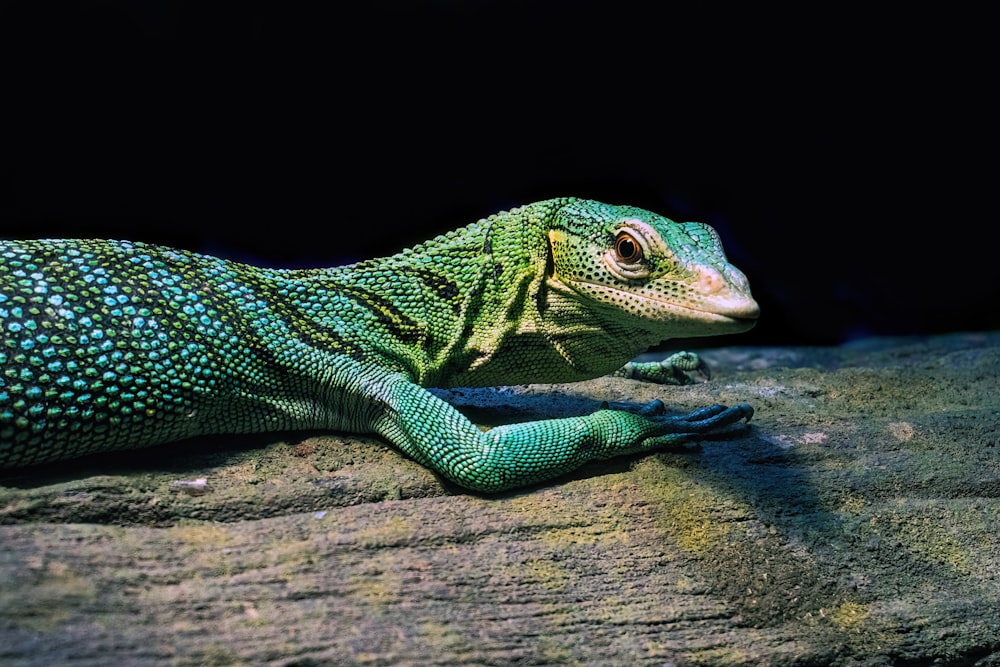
[103, 346]
[116, 344]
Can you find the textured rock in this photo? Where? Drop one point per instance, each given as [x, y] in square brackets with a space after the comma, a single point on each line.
[855, 523]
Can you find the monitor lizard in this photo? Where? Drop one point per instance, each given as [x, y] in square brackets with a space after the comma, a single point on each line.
[116, 344]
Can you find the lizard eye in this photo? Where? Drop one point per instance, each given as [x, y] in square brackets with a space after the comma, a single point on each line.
[627, 249]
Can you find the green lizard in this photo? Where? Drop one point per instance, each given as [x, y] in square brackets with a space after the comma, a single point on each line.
[116, 344]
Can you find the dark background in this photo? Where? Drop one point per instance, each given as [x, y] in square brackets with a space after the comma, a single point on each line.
[845, 156]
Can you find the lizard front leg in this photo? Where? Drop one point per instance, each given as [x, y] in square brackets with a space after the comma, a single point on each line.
[438, 436]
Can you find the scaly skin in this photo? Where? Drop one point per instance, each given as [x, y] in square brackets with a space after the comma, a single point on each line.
[115, 344]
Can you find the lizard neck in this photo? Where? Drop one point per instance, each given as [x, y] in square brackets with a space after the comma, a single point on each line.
[521, 325]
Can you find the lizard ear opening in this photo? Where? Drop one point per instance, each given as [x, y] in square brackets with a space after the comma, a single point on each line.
[550, 264]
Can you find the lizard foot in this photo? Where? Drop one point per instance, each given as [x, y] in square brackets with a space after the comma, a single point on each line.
[702, 424]
[703, 419]
[674, 369]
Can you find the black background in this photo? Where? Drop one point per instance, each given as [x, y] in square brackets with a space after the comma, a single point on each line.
[845, 156]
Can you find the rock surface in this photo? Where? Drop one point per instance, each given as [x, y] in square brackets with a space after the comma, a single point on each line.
[854, 523]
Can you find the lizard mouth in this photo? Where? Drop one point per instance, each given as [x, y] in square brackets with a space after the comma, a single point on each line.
[744, 315]
[746, 311]
[729, 310]
[738, 308]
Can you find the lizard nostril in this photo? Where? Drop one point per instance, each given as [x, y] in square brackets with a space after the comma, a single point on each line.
[709, 280]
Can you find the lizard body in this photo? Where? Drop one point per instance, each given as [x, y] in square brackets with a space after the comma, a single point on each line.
[116, 344]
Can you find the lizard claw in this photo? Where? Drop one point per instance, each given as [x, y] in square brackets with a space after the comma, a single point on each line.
[714, 416]
[703, 370]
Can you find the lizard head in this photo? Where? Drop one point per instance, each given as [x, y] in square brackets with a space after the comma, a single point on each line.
[670, 277]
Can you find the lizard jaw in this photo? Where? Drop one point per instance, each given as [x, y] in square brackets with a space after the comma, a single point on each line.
[724, 311]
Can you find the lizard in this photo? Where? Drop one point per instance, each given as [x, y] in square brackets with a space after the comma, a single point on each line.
[111, 345]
